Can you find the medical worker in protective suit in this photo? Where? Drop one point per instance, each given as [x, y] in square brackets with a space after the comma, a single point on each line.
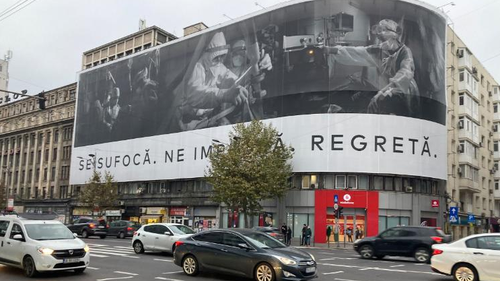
[210, 93]
[397, 90]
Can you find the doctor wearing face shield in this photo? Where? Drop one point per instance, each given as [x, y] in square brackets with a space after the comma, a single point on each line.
[397, 89]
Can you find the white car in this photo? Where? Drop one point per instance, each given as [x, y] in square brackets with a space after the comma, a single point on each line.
[159, 237]
[40, 245]
[473, 258]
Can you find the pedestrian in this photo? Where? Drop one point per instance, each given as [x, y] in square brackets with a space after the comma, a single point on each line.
[303, 240]
[349, 234]
[289, 236]
[308, 236]
[283, 231]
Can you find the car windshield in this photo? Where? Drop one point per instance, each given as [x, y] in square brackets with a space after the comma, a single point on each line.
[264, 241]
[48, 232]
[181, 229]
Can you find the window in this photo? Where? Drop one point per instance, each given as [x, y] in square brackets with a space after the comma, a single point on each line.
[389, 183]
[461, 76]
[213, 237]
[340, 182]
[495, 107]
[309, 181]
[461, 99]
[487, 243]
[363, 182]
[54, 154]
[3, 228]
[150, 228]
[232, 240]
[495, 146]
[16, 229]
[497, 184]
[352, 182]
[378, 183]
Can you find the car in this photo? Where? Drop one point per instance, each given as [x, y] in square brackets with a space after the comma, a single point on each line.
[407, 241]
[122, 228]
[87, 227]
[159, 237]
[244, 253]
[40, 244]
[273, 231]
[473, 258]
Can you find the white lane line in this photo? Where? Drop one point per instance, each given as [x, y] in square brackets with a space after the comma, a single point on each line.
[93, 268]
[99, 256]
[113, 250]
[173, 272]
[123, 247]
[362, 268]
[340, 279]
[336, 258]
[340, 265]
[163, 260]
[96, 245]
[331, 273]
[117, 254]
[168, 279]
[126, 273]
[115, 278]
[398, 265]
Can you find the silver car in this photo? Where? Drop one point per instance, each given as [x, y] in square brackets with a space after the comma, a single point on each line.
[159, 237]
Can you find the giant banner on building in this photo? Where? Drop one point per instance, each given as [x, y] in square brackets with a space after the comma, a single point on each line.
[354, 86]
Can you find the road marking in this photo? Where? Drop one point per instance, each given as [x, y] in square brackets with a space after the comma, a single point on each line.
[115, 278]
[168, 279]
[398, 265]
[163, 260]
[336, 258]
[113, 250]
[126, 273]
[340, 279]
[99, 256]
[93, 268]
[340, 265]
[96, 245]
[173, 272]
[362, 268]
[123, 247]
[330, 273]
[118, 254]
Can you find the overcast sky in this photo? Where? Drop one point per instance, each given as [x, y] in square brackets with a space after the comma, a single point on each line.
[48, 37]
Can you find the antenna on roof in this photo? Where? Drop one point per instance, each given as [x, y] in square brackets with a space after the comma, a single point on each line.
[142, 24]
[8, 56]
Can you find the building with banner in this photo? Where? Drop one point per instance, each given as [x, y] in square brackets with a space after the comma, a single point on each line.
[365, 114]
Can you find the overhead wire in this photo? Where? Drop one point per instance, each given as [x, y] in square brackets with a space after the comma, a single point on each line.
[9, 9]
[16, 11]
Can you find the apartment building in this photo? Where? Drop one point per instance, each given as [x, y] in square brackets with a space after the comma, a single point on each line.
[125, 46]
[35, 151]
[473, 118]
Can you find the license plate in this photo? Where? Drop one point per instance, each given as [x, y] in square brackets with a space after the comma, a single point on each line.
[71, 260]
[310, 269]
[101, 226]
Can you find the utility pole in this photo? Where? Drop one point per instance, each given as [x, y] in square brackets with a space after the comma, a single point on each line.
[40, 97]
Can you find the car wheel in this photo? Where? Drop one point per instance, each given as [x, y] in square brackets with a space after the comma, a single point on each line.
[366, 252]
[102, 236]
[464, 272]
[79, 270]
[29, 267]
[264, 272]
[121, 235]
[85, 234]
[138, 247]
[422, 255]
[190, 265]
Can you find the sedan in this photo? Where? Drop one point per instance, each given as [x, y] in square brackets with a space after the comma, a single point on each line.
[244, 253]
[472, 258]
[159, 237]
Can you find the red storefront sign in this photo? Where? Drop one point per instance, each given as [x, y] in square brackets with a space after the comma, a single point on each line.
[367, 200]
[178, 211]
[435, 203]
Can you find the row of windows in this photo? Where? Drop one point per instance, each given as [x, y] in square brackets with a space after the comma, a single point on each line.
[13, 177]
[32, 105]
[164, 187]
[17, 158]
[67, 136]
[64, 192]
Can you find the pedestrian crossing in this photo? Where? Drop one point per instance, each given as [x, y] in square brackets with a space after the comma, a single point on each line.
[106, 251]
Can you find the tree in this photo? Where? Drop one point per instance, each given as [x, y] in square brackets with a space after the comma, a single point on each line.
[100, 192]
[253, 167]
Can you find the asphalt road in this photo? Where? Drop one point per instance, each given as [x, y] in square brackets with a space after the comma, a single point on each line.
[114, 259]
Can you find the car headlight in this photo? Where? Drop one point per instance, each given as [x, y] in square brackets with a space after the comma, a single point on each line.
[286, 261]
[86, 248]
[45, 251]
[312, 257]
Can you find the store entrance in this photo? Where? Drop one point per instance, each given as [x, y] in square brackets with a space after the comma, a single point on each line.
[351, 225]
[179, 220]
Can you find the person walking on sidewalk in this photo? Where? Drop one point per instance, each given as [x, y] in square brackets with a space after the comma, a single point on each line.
[283, 231]
[308, 236]
[303, 240]
[289, 236]
[349, 234]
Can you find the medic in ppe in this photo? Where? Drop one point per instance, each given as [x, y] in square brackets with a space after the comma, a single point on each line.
[397, 90]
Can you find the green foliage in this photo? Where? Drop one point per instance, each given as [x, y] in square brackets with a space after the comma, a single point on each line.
[100, 191]
[253, 167]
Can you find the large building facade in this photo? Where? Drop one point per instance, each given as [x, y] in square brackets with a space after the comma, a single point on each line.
[150, 119]
[35, 147]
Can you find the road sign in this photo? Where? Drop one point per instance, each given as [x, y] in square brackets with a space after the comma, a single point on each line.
[453, 214]
[335, 206]
[471, 218]
[335, 199]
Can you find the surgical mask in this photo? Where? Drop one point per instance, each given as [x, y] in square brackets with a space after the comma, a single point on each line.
[238, 61]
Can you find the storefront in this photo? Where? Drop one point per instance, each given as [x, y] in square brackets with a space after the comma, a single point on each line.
[113, 215]
[361, 211]
[205, 218]
[179, 215]
[154, 215]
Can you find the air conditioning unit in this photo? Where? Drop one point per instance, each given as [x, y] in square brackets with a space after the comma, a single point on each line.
[461, 124]
[408, 189]
[460, 53]
[163, 190]
[474, 70]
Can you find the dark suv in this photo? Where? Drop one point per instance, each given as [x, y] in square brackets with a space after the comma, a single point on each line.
[90, 227]
[407, 241]
[122, 229]
[273, 231]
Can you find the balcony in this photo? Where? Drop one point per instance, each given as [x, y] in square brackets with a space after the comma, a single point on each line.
[464, 58]
[462, 133]
[496, 195]
[469, 185]
[466, 158]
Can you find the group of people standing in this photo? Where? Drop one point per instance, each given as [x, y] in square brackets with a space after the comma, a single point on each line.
[305, 238]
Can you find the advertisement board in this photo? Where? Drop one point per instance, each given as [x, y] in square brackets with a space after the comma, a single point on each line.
[352, 86]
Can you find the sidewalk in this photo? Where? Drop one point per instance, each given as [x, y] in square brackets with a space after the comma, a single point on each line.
[332, 245]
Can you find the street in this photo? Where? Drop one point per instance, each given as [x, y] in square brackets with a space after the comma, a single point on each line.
[114, 259]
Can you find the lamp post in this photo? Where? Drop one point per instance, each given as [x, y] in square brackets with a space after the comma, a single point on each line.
[92, 160]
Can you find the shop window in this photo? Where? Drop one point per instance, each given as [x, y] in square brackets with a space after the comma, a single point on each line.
[352, 182]
[363, 182]
[340, 182]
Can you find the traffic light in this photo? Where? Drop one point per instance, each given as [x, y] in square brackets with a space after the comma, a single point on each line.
[41, 100]
[339, 212]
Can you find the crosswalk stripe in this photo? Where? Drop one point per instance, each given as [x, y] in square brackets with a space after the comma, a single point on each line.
[98, 256]
[123, 247]
[113, 251]
[127, 273]
[93, 268]
[163, 260]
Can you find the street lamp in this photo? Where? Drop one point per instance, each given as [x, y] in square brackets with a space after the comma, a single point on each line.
[92, 160]
[449, 3]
